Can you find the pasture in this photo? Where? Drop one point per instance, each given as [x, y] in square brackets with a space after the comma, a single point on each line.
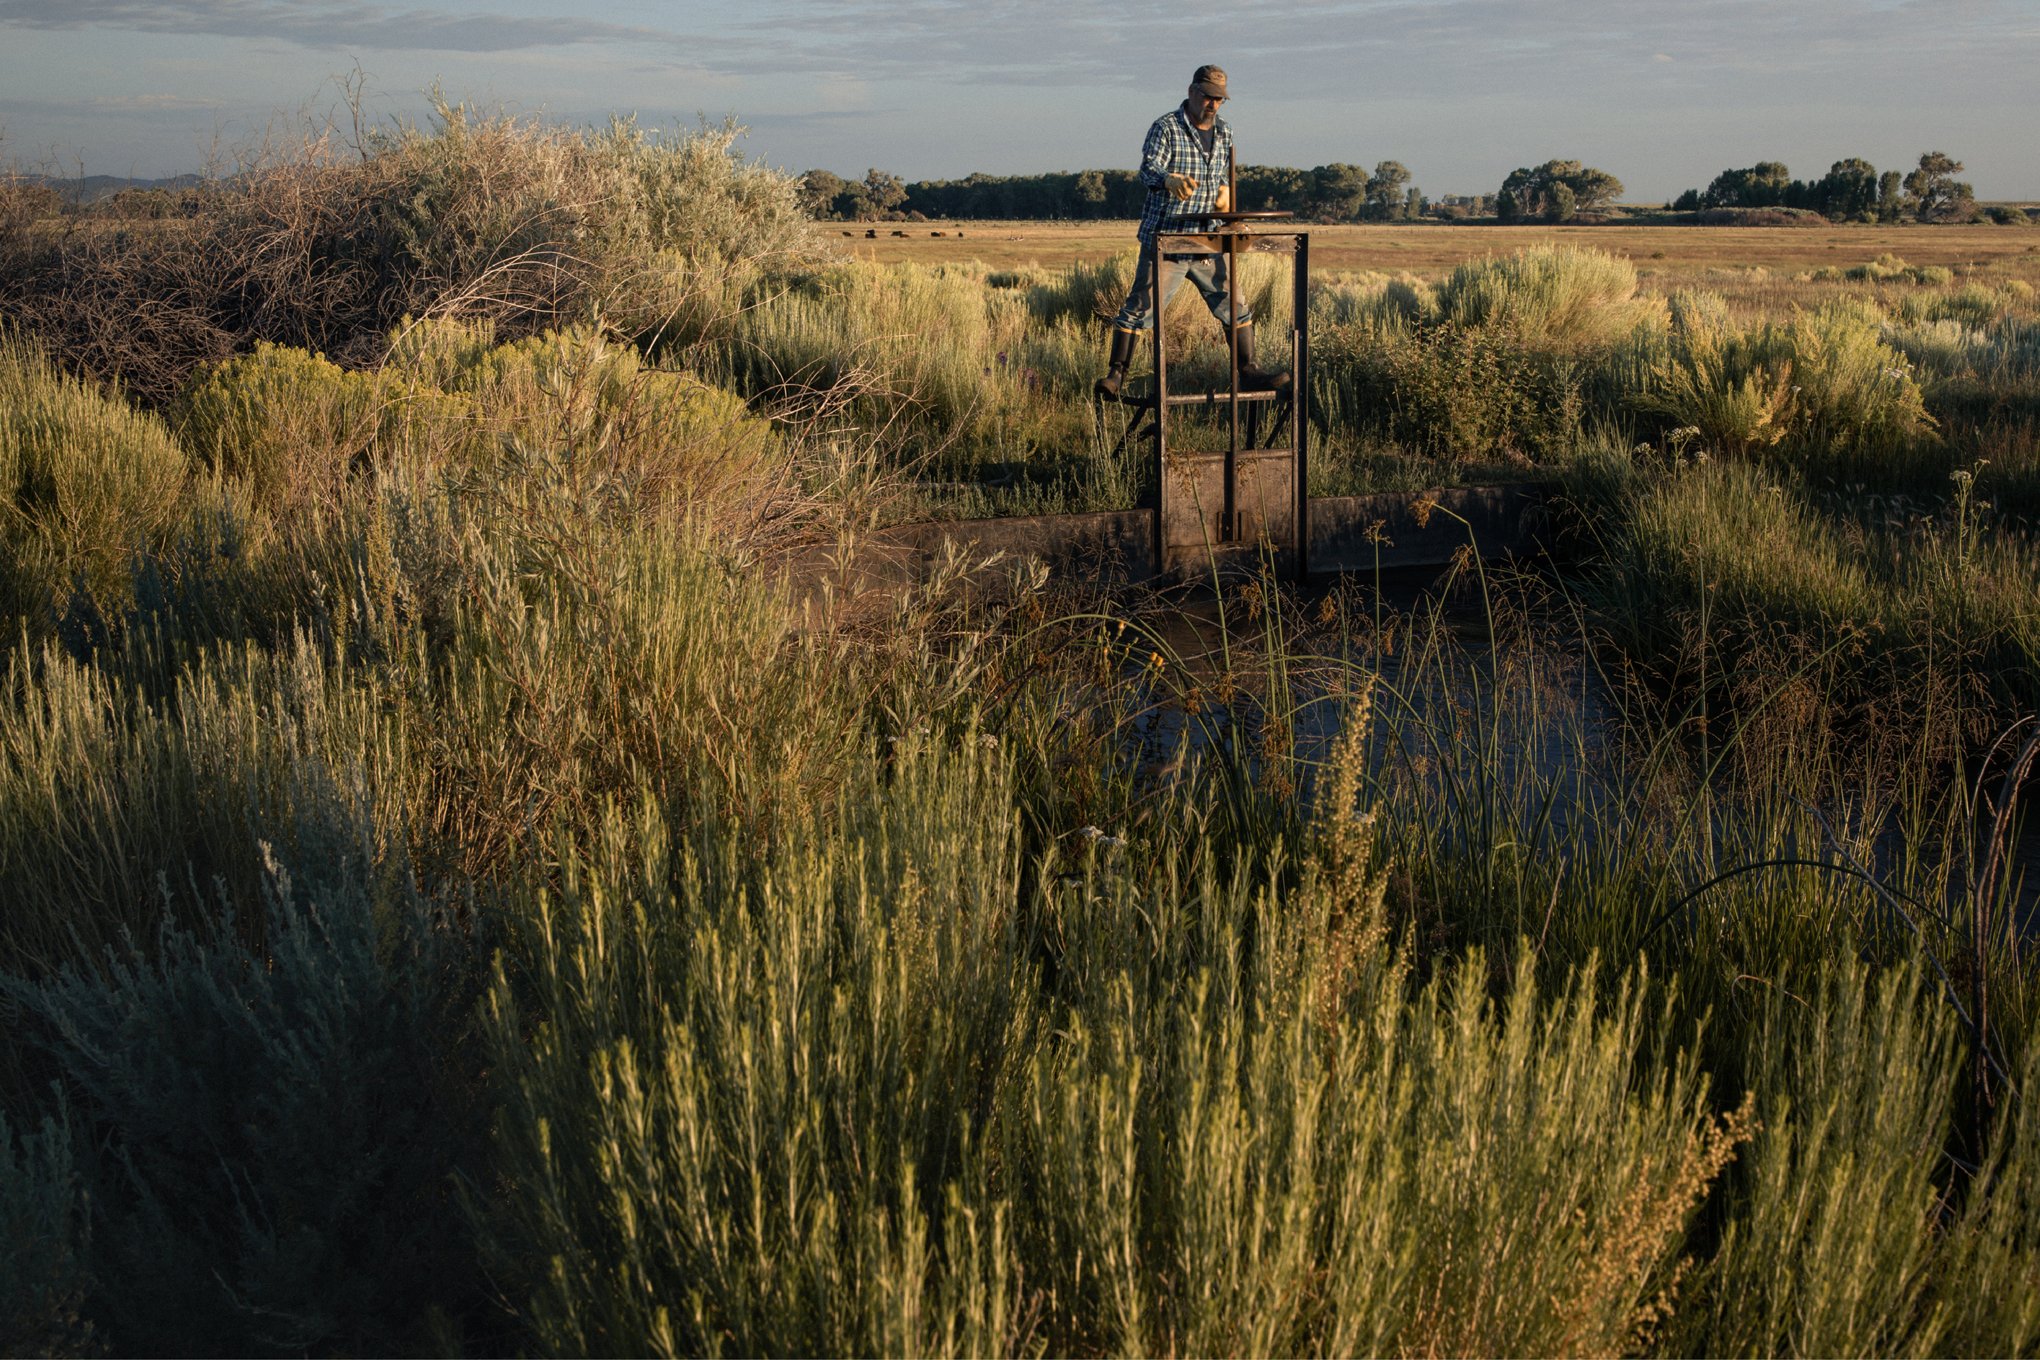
[1670, 253]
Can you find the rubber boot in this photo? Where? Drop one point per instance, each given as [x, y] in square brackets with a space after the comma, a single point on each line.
[1252, 377]
[1116, 364]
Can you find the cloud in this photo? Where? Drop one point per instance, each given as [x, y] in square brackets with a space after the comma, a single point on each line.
[1304, 47]
[313, 23]
[1350, 44]
[150, 103]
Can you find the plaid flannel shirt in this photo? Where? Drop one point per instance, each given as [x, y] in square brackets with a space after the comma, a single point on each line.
[1172, 149]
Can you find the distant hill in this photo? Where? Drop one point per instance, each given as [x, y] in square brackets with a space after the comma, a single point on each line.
[84, 191]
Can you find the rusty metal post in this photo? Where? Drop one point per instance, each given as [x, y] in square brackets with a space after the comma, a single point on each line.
[1299, 397]
[1161, 400]
[1228, 527]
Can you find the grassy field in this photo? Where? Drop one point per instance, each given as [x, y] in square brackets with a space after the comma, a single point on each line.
[459, 895]
[1673, 253]
[1441, 354]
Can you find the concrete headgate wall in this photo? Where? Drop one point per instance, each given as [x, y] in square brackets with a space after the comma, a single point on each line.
[1347, 533]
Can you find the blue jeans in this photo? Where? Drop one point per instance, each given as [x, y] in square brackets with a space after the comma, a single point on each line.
[1206, 271]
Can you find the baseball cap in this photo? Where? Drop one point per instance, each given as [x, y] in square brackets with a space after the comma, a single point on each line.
[1209, 79]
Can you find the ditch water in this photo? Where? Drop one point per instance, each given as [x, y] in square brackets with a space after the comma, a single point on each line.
[1521, 722]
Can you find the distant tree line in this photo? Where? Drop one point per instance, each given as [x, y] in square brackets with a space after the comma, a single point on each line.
[1324, 193]
[1556, 191]
[1852, 191]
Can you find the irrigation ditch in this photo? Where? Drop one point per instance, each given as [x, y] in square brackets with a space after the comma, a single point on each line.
[1395, 587]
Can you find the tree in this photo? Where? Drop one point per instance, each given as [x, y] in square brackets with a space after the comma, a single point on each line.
[1768, 181]
[884, 192]
[1520, 196]
[1687, 202]
[1936, 194]
[1338, 192]
[1593, 189]
[1090, 188]
[1414, 203]
[872, 197]
[1890, 196]
[1555, 191]
[819, 190]
[1385, 190]
[1762, 185]
[1275, 186]
[1848, 190]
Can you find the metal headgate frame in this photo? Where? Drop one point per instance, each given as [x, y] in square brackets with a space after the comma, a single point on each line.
[1236, 530]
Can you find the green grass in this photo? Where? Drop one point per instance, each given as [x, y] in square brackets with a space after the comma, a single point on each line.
[815, 1019]
[1730, 578]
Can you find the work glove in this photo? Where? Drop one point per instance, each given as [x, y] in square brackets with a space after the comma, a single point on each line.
[1182, 188]
[1224, 201]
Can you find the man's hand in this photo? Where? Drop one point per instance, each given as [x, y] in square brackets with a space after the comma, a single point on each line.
[1224, 203]
[1182, 188]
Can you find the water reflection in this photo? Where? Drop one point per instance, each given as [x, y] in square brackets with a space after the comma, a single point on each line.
[1488, 713]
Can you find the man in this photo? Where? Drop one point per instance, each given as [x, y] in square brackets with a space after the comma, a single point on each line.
[1184, 165]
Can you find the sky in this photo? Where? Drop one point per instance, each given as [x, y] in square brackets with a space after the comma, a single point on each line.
[1662, 93]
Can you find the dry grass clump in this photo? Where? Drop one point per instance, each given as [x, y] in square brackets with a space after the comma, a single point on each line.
[1169, 1140]
[1564, 298]
[87, 485]
[945, 374]
[296, 429]
[26, 203]
[1506, 363]
[1457, 394]
[527, 226]
[977, 381]
[100, 498]
[1887, 268]
[1824, 386]
[1833, 1254]
[1717, 383]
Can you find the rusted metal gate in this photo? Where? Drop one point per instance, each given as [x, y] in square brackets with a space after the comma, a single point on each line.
[1249, 501]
